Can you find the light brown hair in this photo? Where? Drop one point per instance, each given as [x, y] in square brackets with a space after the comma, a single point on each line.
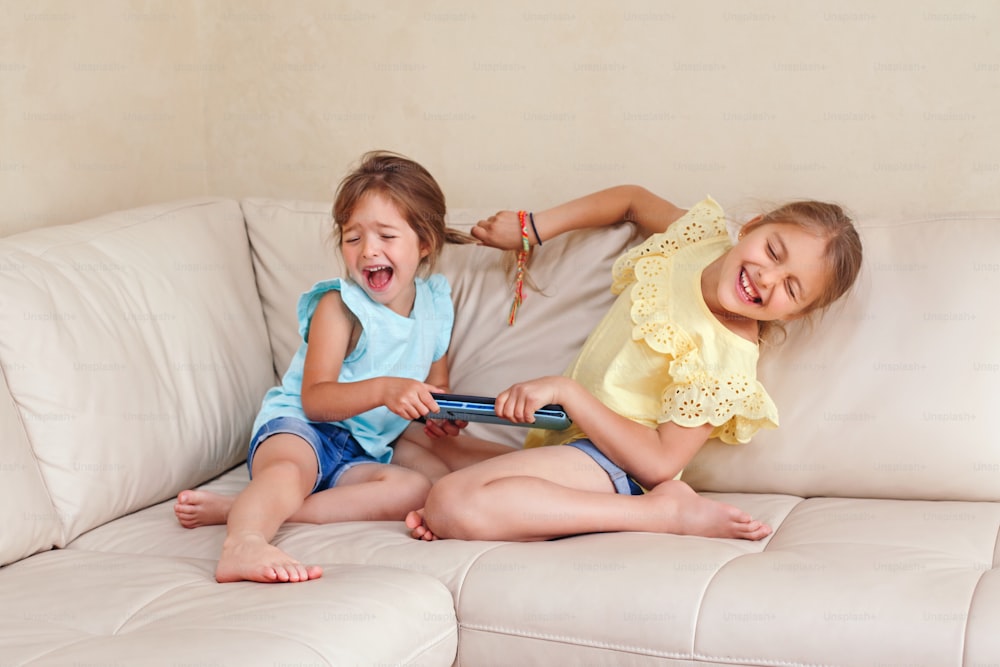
[843, 248]
[411, 188]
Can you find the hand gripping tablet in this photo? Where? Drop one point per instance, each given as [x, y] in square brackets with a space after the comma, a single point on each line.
[480, 409]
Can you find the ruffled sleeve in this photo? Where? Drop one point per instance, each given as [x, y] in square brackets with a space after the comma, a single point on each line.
[706, 219]
[443, 312]
[736, 404]
[310, 299]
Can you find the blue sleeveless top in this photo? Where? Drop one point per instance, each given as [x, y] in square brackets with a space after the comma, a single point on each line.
[390, 345]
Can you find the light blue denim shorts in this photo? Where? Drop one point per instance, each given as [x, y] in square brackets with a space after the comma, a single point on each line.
[624, 484]
[336, 449]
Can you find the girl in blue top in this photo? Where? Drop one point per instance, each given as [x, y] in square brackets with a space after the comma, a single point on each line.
[373, 349]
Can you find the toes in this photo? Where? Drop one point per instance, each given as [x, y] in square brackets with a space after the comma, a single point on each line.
[414, 519]
[739, 516]
[294, 572]
[755, 530]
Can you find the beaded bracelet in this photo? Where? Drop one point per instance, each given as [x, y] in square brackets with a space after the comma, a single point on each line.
[522, 261]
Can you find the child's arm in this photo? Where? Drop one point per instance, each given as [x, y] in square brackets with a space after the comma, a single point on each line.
[439, 374]
[651, 456]
[325, 398]
[624, 203]
[439, 377]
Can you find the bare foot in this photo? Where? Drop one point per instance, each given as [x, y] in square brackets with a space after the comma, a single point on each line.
[251, 558]
[418, 528]
[684, 512]
[202, 508]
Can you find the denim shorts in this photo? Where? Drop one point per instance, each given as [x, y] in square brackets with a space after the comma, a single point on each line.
[624, 484]
[336, 449]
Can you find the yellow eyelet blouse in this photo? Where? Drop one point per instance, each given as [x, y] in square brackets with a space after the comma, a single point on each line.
[660, 354]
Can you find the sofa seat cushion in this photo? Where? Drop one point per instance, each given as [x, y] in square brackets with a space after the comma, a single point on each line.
[155, 531]
[840, 580]
[78, 607]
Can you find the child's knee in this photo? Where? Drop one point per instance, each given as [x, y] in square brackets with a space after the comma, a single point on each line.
[420, 484]
[450, 508]
[411, 485]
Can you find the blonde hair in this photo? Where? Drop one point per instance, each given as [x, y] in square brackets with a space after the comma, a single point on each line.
[411, 188]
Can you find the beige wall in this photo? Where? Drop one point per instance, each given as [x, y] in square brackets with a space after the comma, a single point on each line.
[102, 108]
[890, 107]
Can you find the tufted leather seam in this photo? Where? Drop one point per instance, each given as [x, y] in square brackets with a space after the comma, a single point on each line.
[565, 639]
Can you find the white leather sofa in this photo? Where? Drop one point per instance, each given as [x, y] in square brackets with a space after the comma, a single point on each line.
[135, 349]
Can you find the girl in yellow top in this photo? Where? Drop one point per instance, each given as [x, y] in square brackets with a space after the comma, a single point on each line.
[672, 364]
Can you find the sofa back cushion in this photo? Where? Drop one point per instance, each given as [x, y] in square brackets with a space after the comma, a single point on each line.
[887, 395]
[134, 351]
[293, 248]
[893, 393]
[28, 517]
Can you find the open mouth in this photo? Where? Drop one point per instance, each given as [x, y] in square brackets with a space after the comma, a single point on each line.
[747, 291]
[378, 277]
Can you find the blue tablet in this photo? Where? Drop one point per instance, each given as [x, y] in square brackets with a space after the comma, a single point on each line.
[480, 409]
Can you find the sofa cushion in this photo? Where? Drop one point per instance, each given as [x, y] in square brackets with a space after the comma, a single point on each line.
[892, 393]
[293, 248]
[155, 531]
[868, 394]
[841, 581]
[171, 611]
[135, 353]
[26, 511]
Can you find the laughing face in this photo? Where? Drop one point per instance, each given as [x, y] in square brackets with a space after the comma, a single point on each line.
[382, 252]
[775, 272]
